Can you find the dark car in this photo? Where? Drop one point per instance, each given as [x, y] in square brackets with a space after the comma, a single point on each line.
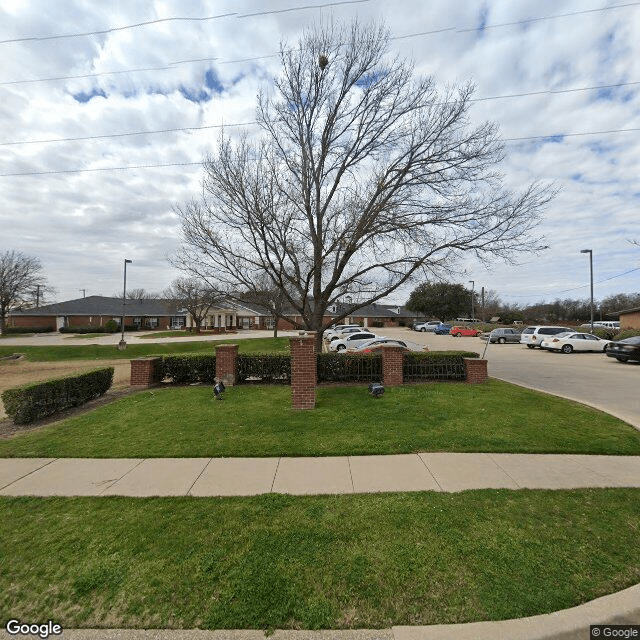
[443, 328]
[624, 350]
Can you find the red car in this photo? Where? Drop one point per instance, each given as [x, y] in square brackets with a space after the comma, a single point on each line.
[463, 331]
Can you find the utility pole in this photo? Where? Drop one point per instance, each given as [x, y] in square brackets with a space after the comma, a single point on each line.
[483, 305]
[590, 252]
[122, 344]
[37, 295]
[472, 294]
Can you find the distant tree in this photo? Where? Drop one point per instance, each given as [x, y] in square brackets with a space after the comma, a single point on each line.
[138, 294]
[20, 276]
[270, 296]
[441, 300]
[194, 296]
[365, 179]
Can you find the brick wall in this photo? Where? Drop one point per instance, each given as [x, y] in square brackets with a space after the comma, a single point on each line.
[145, 372]
[226, 366]
[303, 370]
[32, 321]
[392, 365]
[476, 370]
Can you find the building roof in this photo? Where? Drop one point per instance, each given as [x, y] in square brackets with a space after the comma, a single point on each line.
[101, 306]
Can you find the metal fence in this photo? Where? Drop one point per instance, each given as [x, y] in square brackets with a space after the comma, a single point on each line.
[338, 367]
[263, 369]
[430, 366]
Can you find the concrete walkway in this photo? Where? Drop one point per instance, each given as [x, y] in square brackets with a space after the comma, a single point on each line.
[447, 472]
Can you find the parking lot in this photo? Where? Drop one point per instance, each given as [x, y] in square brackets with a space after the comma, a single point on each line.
[590, 378]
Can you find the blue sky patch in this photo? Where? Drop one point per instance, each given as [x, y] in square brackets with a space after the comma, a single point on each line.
[211, 81]
[85, 97]
[556, 139]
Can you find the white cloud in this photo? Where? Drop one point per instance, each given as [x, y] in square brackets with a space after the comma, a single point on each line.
[82, 225]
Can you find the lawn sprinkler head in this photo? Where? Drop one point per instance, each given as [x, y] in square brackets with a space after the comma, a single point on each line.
[218, 390]
[376, 389]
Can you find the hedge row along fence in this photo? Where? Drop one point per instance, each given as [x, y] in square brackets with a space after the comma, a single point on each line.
[331, 367]
[33, 402]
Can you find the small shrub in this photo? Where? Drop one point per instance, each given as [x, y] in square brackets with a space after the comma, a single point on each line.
[32, 402]
[189, 368]
[626, 333]
[112, 326]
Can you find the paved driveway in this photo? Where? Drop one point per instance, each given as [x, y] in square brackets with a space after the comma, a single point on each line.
[590, 378]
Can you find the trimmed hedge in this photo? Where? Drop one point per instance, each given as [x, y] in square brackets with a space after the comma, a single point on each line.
[8, 330]
[30, 403]
[190, 368]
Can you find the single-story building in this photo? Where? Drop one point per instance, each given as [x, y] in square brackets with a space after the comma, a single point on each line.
[96, 311]
[629, 318]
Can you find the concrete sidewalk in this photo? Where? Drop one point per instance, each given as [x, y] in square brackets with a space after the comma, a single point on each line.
[446, 472]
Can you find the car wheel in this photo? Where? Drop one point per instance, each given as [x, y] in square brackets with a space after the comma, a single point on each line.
[566, 348]
[501, 340]
[457, 335]
[531, 346]
[621, 358]
[423, 330]
[340, 347]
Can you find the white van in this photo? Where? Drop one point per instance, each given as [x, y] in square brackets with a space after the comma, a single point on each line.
[533, 336]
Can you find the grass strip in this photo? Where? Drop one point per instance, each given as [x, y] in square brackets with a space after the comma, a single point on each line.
[53, 353]
[258, 421]
[279, 561]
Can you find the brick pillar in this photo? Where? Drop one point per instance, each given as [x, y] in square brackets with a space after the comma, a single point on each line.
[392, 365]
[226, 366]
[146, 372]
[475, 370]
[304, 370]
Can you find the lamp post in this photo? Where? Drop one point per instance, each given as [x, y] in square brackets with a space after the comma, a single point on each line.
[473, 284]
[590, 252]
[122, 344]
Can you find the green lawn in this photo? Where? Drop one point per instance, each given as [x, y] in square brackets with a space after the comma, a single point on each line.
[106, 352]
[259, 421]
[364, 561]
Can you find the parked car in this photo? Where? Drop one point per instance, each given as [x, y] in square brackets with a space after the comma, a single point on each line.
[427, 326]
[624, 350]
[574, 341]
[343, 332]
[350, 341]
[463, 331]
[533, 336]
[377, 343]
[442, 329]
[336, 328]
[501, 335]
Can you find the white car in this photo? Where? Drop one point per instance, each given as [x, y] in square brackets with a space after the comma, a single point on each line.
[351, 341]
[571, 341]
[337, 329]
[376, 343]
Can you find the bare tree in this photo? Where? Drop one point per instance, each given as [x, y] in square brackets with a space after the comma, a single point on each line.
[194, 296]
[364, 178]
[138, 294]
[270, 296]
[20, 276]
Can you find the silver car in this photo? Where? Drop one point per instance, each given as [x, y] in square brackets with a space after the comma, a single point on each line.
[502, 335]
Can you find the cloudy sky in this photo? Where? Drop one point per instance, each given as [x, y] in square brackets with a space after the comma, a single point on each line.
[94, 95]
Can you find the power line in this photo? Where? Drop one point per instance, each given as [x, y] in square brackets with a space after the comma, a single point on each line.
[240, 124]
[582, 286]
[175, 19]
[183, 164]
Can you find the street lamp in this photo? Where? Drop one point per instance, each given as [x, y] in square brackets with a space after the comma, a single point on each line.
[590, 252]
[473, 284]
[123, 344]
